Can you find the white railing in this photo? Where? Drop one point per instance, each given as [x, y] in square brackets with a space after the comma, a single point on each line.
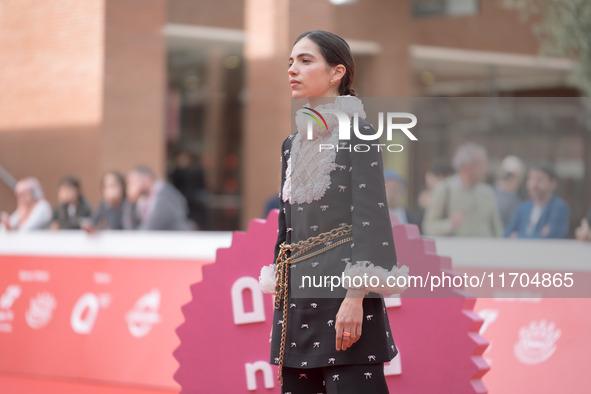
[465, 252]
[503, 253]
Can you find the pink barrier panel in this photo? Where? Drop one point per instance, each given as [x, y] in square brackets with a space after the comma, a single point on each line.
[537, 345]
[84, 324]
[103, 319]
[224, 339]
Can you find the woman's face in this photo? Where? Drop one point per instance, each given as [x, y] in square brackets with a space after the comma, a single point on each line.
[309, 74]
[112, 192]
[67, 194]
[24, 196]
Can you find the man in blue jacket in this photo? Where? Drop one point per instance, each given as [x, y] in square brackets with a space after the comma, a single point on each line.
[545, 215]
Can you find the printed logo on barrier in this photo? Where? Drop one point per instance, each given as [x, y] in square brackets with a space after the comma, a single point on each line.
[144, 314]
[489, 316]
[40, 311]
[86, 311]
[537, 342]
[6, 301]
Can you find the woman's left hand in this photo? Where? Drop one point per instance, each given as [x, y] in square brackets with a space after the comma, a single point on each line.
[349, 320]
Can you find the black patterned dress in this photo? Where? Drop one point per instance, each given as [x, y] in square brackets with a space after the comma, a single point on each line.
[321, 191]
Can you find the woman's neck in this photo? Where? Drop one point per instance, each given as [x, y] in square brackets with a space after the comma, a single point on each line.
[316, 101]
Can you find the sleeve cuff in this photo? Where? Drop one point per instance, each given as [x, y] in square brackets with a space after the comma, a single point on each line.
[267, 279]
[365, 276]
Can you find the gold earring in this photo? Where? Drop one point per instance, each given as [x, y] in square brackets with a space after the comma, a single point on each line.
[331, 82]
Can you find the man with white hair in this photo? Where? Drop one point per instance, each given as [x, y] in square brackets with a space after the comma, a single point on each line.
[33, 212]
[463, 205]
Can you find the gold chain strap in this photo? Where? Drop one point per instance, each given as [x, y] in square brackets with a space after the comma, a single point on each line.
[282, 273]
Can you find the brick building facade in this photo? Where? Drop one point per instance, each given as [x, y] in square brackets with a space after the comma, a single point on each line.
[95, 85]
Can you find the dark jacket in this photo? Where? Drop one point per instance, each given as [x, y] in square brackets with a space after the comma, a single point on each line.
[168, 211]
[556, 214]
[70, 218]
[109, 217]
[356, 196]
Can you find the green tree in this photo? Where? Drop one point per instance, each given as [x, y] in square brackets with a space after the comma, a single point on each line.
[564, 29]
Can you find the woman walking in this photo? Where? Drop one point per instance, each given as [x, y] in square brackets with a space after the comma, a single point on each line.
[333, 222]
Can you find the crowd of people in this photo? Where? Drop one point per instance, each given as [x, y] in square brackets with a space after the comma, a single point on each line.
[458, 202]
[139, 201]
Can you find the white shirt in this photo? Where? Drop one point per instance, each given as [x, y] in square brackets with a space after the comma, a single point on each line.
[536, 212]
[38, 219]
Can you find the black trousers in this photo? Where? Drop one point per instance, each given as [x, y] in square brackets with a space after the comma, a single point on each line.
[340, 379]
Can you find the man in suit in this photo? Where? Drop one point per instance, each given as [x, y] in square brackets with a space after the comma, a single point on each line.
[545, 215]
[155, 204]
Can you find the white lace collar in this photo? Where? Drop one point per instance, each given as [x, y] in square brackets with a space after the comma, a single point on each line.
[308, 170]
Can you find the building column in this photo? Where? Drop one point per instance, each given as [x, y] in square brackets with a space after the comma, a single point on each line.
[271, 27]
[134, 86]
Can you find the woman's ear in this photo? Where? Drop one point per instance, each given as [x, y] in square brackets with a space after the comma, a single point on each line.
[338, 72]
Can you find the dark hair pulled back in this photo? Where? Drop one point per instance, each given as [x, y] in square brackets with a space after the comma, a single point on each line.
[335, 51]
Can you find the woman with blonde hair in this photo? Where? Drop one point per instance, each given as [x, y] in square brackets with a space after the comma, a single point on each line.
[33, 212]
